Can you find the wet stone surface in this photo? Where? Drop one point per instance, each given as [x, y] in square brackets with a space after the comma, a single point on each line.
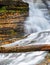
[46, 61]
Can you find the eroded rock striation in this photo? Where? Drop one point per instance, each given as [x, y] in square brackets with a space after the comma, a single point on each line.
[12, 20]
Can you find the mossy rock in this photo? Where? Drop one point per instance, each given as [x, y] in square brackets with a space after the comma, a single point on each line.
[16, 6]
[9, 28]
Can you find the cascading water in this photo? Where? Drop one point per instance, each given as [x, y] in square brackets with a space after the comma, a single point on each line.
[38, 29]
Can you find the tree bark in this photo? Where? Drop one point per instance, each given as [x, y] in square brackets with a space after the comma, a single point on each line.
[28, 48]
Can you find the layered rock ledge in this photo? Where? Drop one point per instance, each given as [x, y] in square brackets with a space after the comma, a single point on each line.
[12, 21]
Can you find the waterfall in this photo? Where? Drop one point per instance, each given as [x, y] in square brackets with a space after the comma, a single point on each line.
[38, 29]
[36, 21]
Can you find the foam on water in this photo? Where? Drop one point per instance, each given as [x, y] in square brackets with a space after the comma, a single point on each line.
[39, 29]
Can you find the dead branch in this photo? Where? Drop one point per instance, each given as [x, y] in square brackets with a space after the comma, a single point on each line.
[28, 48]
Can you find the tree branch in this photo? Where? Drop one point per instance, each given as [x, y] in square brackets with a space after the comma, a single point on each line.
[28, 48]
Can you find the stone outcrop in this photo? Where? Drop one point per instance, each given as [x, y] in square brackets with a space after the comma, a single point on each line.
[12, 23]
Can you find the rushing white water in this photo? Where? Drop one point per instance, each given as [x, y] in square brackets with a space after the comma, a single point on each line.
[38, 27]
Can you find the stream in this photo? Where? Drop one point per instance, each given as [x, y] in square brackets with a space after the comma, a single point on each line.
[38, 28]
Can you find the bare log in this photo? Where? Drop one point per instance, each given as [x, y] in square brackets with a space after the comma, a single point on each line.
[28, 48]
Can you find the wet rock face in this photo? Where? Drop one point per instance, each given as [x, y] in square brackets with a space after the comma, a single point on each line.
[12, 21]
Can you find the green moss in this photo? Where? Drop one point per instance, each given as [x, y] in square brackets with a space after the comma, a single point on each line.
[20, 9]
[12, 32]
[3, 9]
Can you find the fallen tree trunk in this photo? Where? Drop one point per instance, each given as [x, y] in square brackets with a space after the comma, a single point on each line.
[28, 48]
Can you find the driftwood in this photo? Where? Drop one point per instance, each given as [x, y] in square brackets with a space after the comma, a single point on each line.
[28, 48]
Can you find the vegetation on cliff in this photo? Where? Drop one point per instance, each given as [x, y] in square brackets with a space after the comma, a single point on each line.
[13, 6]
